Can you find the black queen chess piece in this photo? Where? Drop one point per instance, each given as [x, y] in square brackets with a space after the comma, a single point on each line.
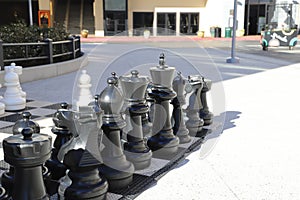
[7, 178]
[116, 168]
[162, 138]
[194, 123]
[179, 128]
[205, 114]
[135, 148]
[27, 152]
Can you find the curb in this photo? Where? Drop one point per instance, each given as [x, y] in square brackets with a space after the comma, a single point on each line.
[48, 71]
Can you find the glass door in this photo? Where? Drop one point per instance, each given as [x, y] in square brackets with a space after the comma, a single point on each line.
[189, 23]
[142, 21]
[115, 16]
[166, 23]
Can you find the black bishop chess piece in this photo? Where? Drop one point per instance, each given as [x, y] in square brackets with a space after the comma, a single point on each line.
[56, 168]
[116, 168]
[82, 157]
[194, 123]
[7, 178]
[179, 128]
[135, 148]
[205, 114]
[162, 138]
[27, 152]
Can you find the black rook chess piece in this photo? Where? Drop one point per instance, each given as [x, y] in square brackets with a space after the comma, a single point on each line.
[194, 122]
[179, 127]
[7, 178]
[135, 149]
[117, 169]
[205, 114]
[162, 138]
[27, 152]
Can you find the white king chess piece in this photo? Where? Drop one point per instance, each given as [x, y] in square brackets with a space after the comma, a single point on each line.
[12, 97]
[19, 71]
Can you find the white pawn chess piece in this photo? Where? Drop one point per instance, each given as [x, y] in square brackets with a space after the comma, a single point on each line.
[85, 95]
[2, 105]
[12, 97]
[19, 70]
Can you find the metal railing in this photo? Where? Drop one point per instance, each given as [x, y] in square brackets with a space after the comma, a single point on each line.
[47, 51]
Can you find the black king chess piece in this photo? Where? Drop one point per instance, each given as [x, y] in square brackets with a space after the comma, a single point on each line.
[194, 123]
[135, 149]
[117, 169]
[27, 152]
[179, 128]
[56, 168]
[162, 138]
[205, 114]
[7, 178]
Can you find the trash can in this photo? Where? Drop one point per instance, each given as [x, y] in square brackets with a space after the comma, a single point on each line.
[212, 31]
[218, 32]
[227, 32]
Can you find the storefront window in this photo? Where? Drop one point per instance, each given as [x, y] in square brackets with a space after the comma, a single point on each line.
[166, 23]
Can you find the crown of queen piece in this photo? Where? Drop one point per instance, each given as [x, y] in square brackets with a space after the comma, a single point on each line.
[162, 74]
[134, 86]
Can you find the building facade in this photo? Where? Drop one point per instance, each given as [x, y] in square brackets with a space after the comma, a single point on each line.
[160, 17]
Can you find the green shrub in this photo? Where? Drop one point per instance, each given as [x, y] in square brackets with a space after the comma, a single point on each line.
[20, 32]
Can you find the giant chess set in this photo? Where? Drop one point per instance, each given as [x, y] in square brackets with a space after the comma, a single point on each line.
[111, 145]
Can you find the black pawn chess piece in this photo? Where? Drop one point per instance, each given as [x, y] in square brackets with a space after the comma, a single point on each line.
[27, 152]
[135, 149]
[179, 128]
[24, 123]
[194, 123]
[162, 138]
[86, 181]
[56, 168]
[205, 114]
[116, 168]
[7, 178]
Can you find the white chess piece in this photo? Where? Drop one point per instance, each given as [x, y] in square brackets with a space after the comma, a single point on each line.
[2, 105]
[19, 70]
[85, 95]
[12, 97]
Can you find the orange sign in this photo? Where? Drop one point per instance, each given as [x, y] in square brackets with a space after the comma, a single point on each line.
[44, 18]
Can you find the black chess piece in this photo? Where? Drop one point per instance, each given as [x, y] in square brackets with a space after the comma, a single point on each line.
[194, 123]
[56, 168]
[179, 128]
[116, 168]
[205, 114]
[135, 148]
[27, 152]
[24, 123]
[7, 178]
[162, 138]
[146, 117]
[86, 180]
[3, 194]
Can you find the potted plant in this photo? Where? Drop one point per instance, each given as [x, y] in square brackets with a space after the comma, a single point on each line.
[147, 33]
[200, 33]
[84, 33]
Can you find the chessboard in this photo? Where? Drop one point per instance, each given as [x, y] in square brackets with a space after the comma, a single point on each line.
[42, 113]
